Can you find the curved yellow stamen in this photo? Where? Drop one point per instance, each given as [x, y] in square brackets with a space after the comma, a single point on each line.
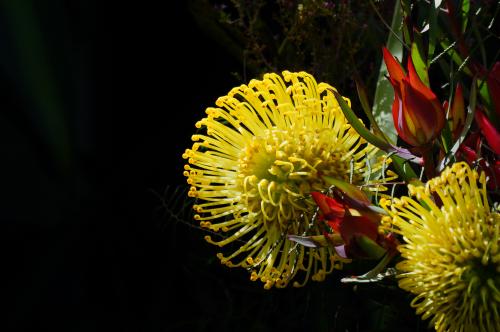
[450, 251]
[254, 166]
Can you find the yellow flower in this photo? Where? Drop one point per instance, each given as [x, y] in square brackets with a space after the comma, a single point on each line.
[262, 153]
[451, 257]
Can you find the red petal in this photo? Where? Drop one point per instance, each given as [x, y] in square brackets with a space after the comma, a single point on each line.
[468, 154]
[328, 206]
[335, 223]
[445, 106]
[417, 84]
[427, 117]
[399, 121]
[395, 70]
[489, 131]
[352, 225]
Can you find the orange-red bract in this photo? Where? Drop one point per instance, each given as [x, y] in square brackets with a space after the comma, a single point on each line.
[417, 113]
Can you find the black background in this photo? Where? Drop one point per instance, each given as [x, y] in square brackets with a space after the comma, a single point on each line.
[90, 245]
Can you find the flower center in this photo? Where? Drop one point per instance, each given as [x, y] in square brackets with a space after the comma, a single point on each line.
[478, 274]
[277, 170]
[482, 283]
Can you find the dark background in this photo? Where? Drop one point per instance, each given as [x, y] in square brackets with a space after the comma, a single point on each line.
[97, 107]
[54, 87]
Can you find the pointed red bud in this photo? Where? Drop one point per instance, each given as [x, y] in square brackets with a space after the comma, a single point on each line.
[395, 70]
[418, 116]
[489, 131]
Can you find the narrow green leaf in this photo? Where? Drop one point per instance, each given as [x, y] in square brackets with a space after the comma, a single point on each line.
[453, 150]
[465, 14]
[369, 136]
[384, 93]
[468, 122]
[365, 104]
[370, 247]
[358, 125]
[349, 189]
[376, 273]
[433, 29]
[446, 138]
[419, 61]
[484, 94]
[455, 57]
[406, 24]
[403, 169]
[446, 135]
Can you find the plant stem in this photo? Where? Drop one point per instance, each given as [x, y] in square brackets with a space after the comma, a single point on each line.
[429, 167]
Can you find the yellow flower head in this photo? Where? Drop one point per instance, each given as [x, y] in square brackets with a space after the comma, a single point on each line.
[451, 257]
[261, 154]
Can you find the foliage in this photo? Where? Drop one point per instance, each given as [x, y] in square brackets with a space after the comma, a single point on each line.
[332, 40]
[431, 102]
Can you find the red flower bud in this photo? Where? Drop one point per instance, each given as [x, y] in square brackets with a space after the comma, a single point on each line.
[418, 116]
[489, 131]
[357, 224]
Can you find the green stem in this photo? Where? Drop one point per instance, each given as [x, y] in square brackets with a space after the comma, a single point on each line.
[429, 167]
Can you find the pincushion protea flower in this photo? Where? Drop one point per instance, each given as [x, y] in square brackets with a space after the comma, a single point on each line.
[451, 259]
[262, 153]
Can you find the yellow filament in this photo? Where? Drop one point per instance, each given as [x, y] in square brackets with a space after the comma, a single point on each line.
[252, 167]
[449, 254]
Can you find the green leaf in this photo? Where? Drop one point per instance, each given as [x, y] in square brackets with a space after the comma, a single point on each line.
[468, 122]
[365, 104]
[403, 169]
[349, 189]
[465, 14]
[384, 93]
[446, 135]
[433, 29]
[370, 247]
[358, 125]
[485, 95]
[379, 142]
[446, 45]
[376, 273]
[419, 61]
[453, 150]
[406, 24]
[446, 138]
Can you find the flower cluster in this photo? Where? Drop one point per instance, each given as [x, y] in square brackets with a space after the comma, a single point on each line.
[293, 185]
